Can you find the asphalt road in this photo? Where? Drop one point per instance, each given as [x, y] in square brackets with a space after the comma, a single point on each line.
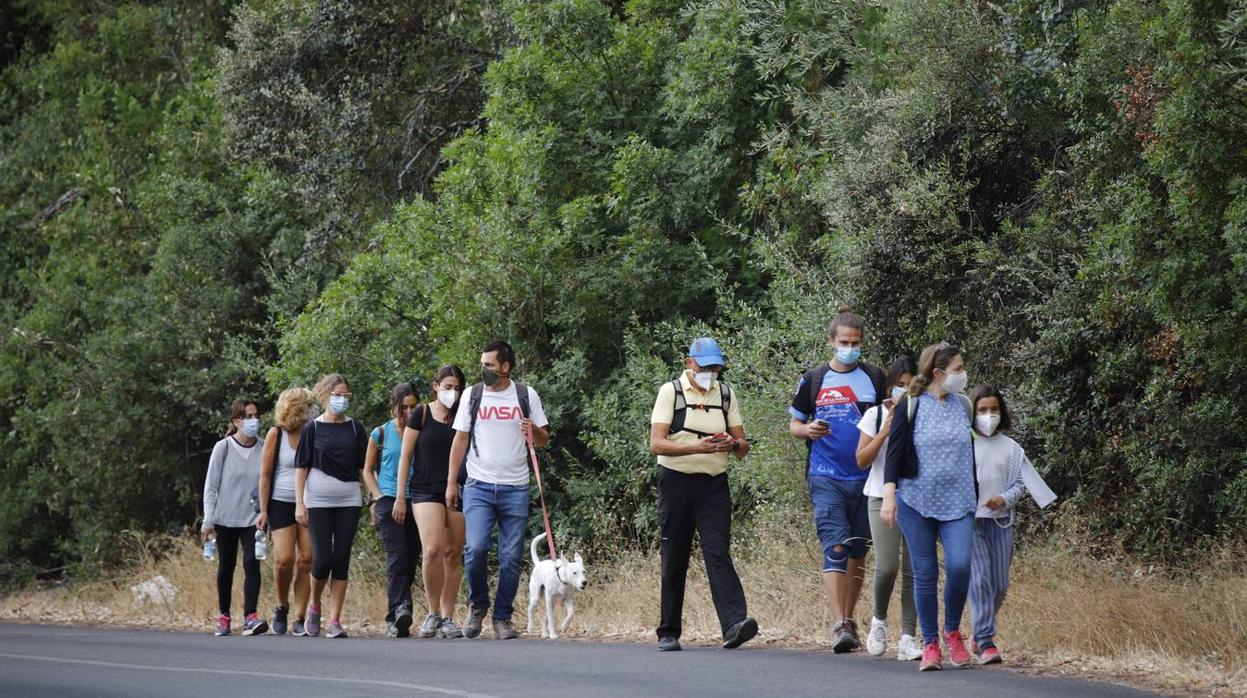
[64, 661]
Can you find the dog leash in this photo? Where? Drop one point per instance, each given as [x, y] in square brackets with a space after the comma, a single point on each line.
[545, 513]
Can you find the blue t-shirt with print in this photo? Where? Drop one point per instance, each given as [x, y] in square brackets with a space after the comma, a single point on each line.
[842, 399]
[391, 450]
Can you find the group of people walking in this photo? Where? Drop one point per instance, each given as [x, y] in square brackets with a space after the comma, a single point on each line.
[901, 459]
[301, 484]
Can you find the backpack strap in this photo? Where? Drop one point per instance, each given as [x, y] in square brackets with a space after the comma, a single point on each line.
[725, 399]
[814, 379]
[680, 408]
[474, 406]
[381, 436]
[521, 395]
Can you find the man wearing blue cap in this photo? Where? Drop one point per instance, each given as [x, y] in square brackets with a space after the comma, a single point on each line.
[695, 426]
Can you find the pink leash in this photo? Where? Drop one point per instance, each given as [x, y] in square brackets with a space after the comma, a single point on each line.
[545, 513]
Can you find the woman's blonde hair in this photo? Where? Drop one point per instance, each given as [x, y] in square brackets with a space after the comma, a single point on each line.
[325, 385]
[934, 356]
[293, 406]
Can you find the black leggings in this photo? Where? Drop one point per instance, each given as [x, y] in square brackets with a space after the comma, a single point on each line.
[333, 532]
[227, 542]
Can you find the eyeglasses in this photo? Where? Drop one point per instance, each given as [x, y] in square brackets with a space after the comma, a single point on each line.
[345, 395]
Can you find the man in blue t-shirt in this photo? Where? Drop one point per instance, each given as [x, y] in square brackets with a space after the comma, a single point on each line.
[826, 416]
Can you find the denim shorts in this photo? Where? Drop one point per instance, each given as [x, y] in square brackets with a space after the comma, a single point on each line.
[841, 518]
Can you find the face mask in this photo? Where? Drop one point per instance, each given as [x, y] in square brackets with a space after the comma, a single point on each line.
[956, 382]
[447, 397]
[703, 379]
[489, 377]
[250, 426]
[848, 355]
[987, 423]
[897, 393]
[338, 403]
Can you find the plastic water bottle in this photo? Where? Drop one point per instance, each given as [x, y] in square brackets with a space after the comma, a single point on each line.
[261, 545]
[210, 548]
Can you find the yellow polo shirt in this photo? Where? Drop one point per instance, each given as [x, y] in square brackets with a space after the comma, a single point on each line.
[708, 421]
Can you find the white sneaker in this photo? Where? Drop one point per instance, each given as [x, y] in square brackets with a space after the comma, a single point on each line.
[909, 649]
[877, 641]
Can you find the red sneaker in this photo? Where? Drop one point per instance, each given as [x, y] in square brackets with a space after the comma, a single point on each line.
[974, 646]
[990, 655]
[958, 655]
[932, 658]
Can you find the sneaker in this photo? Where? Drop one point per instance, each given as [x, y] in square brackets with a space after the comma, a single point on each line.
[841, 638]
[857, 639]
[312, 625]
[974, 647]
[222, 626]
[280, 616]
[402, 621]
[990, 655]
[335, 630]
[254, 625]
[475, 619]
[877, 640]
[908, 649]
[298, 629]
[391, 630]
[449, 630]
[932, 659]
[740, 633]
[668, 643]
[431, 623]
[958, 655]
[504, 630]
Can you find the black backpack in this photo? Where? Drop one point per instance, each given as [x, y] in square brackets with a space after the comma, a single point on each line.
[474, 406]
[681, 406]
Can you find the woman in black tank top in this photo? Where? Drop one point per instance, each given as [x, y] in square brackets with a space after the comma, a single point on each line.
[442, 531]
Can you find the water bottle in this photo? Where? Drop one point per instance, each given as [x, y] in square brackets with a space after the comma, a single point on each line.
[261, 545]
[210, 548]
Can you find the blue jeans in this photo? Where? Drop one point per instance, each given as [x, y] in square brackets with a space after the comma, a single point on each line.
[956, 536]
[485, 504]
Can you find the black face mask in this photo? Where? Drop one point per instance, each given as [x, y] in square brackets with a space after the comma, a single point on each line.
[490, 377]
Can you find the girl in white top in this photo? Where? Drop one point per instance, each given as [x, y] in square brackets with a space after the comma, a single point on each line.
[1004, 474]
[891, 554]
[292, 546]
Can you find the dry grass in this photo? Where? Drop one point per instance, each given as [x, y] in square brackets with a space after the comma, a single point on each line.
[1184, 633]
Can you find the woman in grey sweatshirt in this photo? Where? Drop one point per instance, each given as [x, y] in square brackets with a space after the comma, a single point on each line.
[233, 471]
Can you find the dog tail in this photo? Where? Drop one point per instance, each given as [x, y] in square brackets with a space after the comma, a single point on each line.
[532, 547]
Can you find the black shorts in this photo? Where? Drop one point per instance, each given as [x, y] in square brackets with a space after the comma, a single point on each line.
[280, 514]
[433, 493]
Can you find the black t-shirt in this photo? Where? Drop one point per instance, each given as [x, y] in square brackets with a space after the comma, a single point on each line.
[334, 448]
[432, 449]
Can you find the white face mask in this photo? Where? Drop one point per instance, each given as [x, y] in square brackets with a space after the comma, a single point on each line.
[703, 379]
[956, 382]
[250, 426]
[897, 393]
[447, 397]
[339, 404]
[987, 423]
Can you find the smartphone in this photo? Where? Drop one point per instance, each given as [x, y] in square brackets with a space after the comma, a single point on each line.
[822, 423]
[720, 437]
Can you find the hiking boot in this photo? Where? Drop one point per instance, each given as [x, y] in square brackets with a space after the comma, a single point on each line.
[298, 629]
[312, 625]
[280, 616]
[990, 655]
[841, 638]
[449, 630]
[475, 618]
[336, 630]
[932, 659]
[254, 625]
[222, 626]
[402, 622]
[958, 655]
[504, 630]
[877, 640]
[431, 623]
[668, 643]
[740, 633]
[908, 649]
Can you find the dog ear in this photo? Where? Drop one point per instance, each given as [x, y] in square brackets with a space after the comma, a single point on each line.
[578, 559]
[560, 561]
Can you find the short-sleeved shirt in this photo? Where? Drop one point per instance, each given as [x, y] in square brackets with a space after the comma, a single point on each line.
[391, 451]
[842, 398]
[500, 453]
[877, 415]
[696, 419]
[944, 487]
[334, 448]
[432, 456]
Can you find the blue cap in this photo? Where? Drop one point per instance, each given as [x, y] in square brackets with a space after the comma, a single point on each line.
[706, 352]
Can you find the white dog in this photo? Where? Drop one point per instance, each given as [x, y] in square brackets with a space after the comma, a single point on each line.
[560, 579]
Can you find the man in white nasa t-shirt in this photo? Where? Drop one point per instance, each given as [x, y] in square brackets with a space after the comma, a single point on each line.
[491, 432]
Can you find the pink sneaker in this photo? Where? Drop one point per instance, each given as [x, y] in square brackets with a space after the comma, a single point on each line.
[932, 659]
[222, 625]
[958, 655]
[990, 655]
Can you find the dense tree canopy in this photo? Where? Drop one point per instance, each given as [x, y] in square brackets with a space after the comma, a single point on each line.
[207, 200]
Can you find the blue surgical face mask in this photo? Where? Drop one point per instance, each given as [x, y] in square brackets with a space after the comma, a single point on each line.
[897, 392]
[339, 403]
[848, 355]
[250, 426]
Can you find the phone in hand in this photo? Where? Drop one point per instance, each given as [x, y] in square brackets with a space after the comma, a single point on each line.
[822, 423]
[720, 437]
